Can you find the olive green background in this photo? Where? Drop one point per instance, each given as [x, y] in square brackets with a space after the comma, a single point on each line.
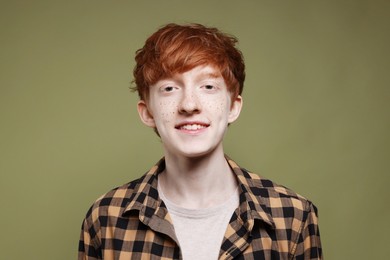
[315, 117]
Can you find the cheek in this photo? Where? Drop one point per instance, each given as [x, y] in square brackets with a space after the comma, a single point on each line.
[219, 106]
[166, 110]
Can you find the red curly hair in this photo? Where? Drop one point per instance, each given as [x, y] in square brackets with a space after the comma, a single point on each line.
[178, 48]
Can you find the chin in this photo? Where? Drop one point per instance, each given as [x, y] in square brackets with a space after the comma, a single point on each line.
[197, 153]
[191, 149]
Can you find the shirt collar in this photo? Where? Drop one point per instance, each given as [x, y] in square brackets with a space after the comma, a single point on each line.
[144, 197]
[252, 207]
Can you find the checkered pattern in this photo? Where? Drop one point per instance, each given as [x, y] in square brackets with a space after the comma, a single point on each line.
[132, 222]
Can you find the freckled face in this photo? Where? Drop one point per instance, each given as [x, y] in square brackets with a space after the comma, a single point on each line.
[191, 112]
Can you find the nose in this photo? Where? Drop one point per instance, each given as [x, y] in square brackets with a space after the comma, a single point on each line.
[189, 103]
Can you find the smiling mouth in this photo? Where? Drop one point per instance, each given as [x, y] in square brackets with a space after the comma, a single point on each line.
[191, 127]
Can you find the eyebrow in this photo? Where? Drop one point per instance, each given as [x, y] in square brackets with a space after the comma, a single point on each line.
[204, 75]
[214, 75]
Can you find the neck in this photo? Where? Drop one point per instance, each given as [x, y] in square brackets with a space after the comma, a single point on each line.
[197, 182]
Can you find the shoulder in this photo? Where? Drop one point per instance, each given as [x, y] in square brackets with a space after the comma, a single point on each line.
[114, 201]
[293, 217]
[131, 195]
[277, 197]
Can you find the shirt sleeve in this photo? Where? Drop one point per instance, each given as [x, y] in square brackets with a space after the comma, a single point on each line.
[88, 248]
[309, 243]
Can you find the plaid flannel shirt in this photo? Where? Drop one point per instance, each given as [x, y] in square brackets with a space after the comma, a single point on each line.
[132, 222]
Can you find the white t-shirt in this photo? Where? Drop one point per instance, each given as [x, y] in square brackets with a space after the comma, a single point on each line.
[200, 231]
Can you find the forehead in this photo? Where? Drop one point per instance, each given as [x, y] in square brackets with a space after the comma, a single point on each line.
[195, 74]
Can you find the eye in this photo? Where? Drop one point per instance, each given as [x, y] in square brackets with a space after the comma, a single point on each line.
[167, 89]
[209, 87]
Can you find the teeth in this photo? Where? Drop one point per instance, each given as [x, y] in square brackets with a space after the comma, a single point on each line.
[192, 127]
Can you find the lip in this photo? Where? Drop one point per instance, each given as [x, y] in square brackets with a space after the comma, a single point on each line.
[192, 126]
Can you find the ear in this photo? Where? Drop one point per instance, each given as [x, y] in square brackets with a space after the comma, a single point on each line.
[144, 114]
[235, 109]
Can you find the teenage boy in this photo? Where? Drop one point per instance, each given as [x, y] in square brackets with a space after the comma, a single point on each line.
[196, 203]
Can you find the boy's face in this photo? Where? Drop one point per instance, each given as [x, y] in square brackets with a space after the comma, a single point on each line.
[191, 111]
